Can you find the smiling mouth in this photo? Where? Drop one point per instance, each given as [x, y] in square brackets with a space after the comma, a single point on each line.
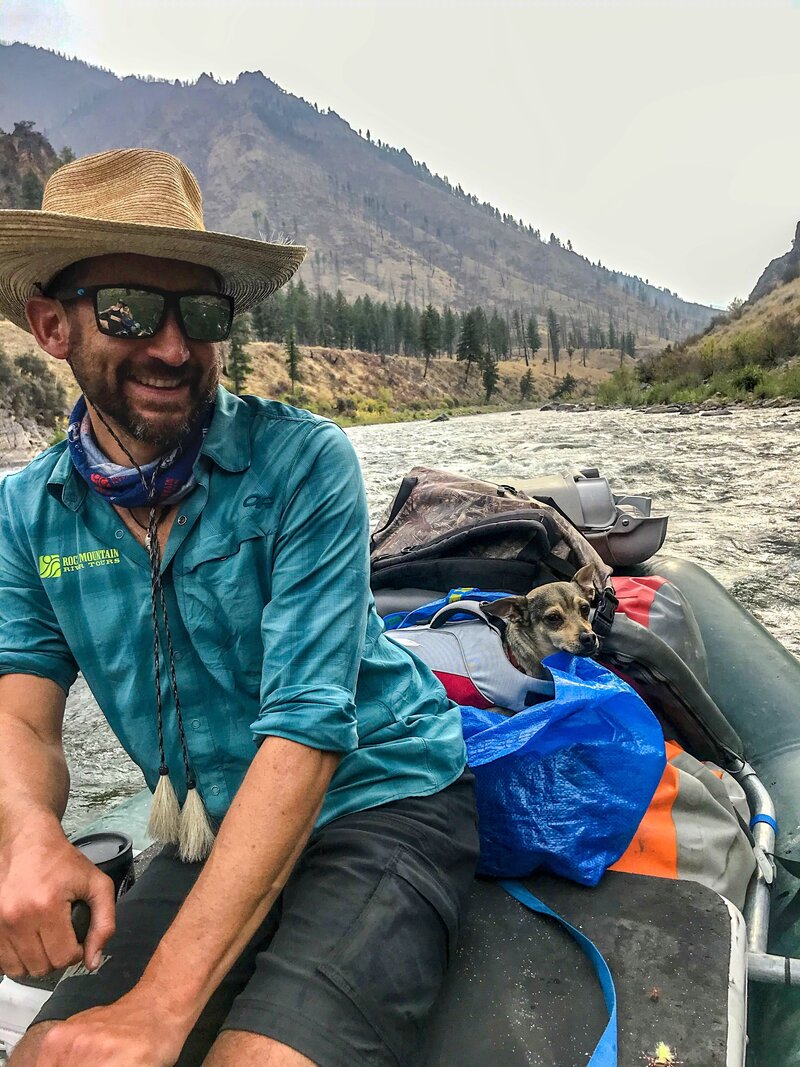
[167, 384]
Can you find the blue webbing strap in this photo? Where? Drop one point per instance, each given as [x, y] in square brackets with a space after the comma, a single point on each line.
[764, 818]
[605, 1053]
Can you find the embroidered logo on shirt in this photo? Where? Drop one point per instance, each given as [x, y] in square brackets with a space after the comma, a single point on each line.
[256, 500]
[54, 566]
[49, 566]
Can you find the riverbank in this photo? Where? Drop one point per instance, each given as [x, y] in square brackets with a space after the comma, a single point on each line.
[358, 388]
[716, 405]
[751, 354]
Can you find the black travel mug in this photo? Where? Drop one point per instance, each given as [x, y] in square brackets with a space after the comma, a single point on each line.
[112, 852]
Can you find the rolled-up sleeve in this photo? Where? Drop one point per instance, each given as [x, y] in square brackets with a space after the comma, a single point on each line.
[31, 641]
[314, 626]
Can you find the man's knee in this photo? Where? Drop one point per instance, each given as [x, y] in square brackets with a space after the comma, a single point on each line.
[27, 1051]
[236, 1048]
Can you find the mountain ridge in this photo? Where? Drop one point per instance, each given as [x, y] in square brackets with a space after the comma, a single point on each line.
[377, 222]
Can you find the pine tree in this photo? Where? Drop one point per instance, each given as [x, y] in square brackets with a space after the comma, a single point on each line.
[469, 348]
[497, 333]
[341, 321]
[268, 318]
[565, 388]
[534, 338]
[526, 385]
[293, 357]
[31, 191]
[554, 336]
[449, 330]
[490, 373]
[300, 312]
[429, 334]
[239, 364]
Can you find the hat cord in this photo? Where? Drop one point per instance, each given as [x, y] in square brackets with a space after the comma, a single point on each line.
[188, 827]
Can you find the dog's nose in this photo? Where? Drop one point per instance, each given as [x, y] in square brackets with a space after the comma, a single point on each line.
[588, 641]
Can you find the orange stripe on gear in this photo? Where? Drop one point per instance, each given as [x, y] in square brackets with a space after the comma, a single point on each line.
[654, 848]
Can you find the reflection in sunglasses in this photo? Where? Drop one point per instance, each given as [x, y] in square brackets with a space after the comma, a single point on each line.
[118, 320]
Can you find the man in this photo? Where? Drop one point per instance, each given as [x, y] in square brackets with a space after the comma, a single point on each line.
[226, 628]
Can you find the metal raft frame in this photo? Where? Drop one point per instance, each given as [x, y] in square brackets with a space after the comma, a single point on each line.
[762, 966]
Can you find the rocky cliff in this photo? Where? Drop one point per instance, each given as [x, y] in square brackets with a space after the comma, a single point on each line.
[27, 160]
[20, 439]
[781, 270]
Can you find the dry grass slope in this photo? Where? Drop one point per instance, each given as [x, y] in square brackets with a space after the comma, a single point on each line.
[361, 386]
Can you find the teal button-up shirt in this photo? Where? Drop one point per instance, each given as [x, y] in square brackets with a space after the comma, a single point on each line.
[266, 576]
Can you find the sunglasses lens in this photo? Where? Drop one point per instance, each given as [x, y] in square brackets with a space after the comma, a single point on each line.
[125, 312]
[206, 317]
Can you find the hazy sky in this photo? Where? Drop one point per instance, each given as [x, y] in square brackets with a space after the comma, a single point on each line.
[660, 137]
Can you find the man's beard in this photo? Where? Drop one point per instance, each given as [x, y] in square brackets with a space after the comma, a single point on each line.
[107, 395]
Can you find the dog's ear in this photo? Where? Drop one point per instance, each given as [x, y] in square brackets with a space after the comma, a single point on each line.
[584, 579]
[510, 609]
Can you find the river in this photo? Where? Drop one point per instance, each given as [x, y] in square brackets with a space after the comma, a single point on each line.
[730, 484]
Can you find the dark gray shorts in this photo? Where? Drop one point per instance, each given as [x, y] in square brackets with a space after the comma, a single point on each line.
[347, 965]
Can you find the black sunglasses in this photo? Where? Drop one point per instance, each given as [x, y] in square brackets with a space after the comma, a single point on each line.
[136, 311]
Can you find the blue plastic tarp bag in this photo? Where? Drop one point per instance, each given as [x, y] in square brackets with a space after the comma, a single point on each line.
[563, 785]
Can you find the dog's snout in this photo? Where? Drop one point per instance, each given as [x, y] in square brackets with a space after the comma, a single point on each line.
[588, 641]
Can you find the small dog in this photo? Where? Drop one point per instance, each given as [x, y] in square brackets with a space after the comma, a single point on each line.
[551, 618]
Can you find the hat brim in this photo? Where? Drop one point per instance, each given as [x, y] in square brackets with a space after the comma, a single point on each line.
[36, 245]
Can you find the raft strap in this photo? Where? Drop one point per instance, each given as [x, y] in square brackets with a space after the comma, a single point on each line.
[605, 1053]
[764, 818]
[604, 613]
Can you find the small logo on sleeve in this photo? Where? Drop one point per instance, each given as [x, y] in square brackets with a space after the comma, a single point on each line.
[55, 565]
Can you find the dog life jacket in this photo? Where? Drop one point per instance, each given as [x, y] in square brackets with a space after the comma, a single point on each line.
[469, 660]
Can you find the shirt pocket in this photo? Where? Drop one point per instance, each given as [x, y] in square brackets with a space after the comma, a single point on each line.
[225, 584]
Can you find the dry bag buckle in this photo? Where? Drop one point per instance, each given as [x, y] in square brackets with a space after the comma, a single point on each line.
[604, 612]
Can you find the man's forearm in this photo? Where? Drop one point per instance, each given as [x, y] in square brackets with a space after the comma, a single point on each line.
[258, 844]
[35, 779]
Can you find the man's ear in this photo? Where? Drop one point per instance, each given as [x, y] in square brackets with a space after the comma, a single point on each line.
[510, 609]
[49, 325]
[585, 581]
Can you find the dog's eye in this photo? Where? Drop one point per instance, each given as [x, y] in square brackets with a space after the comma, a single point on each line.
[585, 611]
[553, 618]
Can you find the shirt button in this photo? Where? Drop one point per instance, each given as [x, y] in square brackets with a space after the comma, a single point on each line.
[181, 520]
[119, 534]
[215, 790]
[178, 655]
[195, 724]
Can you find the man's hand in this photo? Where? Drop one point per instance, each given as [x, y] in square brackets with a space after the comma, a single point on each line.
[129, 1033]
[41, 874]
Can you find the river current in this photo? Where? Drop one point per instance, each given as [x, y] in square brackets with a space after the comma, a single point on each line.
[730, 484]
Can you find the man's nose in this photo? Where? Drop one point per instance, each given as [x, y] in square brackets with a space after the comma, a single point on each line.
[169, 344]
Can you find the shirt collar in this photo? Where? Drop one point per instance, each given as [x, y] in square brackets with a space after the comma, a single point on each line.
[227, 442]
[65, 484]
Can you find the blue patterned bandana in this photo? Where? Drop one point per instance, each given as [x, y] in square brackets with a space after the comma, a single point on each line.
[168, 479]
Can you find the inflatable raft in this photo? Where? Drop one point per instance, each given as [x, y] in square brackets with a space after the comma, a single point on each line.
[698, 981]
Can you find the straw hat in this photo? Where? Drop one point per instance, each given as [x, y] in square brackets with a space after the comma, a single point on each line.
[133, 200]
